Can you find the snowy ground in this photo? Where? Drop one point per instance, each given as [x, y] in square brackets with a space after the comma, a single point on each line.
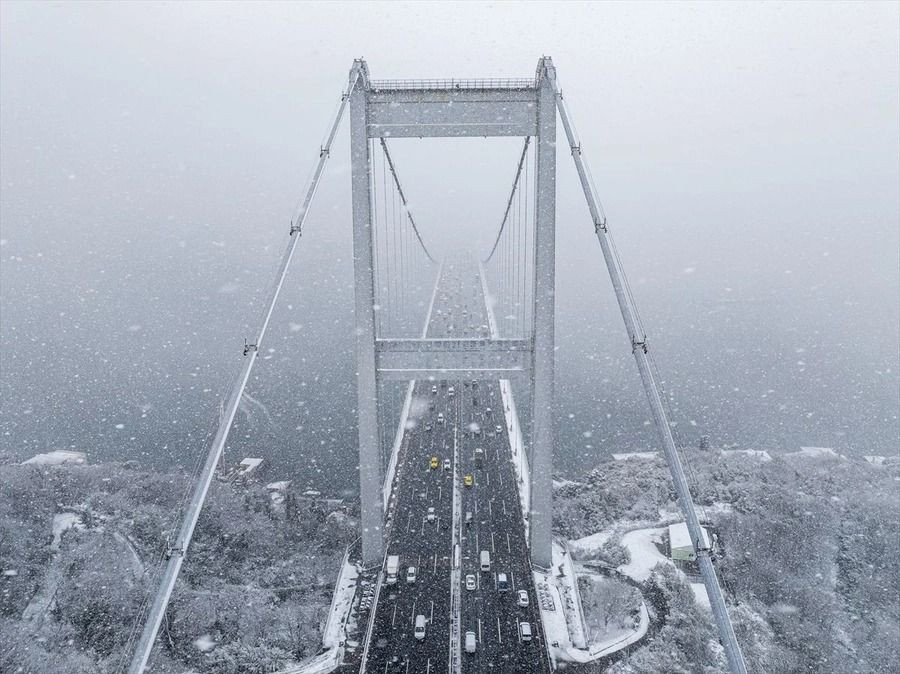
[642, 546]
[760, 454]
[563, 619]
[334, 637]
[635, 455]
[57, 458]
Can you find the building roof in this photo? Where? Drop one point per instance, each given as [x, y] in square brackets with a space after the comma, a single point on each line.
[679, 537]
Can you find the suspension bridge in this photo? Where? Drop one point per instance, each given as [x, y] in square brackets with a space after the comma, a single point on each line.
[456, 494]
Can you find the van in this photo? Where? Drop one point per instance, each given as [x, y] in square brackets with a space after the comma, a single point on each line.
[502, 582]
[485, 560]
[524, 631]
[420, 628]
[470, 642]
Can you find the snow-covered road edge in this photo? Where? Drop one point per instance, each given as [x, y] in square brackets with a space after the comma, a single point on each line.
[516, 441]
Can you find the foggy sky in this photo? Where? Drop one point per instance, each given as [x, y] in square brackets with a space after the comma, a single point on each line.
[153, 154]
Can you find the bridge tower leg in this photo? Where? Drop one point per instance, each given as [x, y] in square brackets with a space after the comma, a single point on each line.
[542, 386]
[370, 464]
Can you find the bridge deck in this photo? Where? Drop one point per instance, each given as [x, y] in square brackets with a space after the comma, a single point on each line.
[496, 526]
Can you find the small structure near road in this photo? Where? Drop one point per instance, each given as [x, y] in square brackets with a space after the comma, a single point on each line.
[680, 548]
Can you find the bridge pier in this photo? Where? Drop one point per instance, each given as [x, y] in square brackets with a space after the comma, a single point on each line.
[370, 464]
[542, 386]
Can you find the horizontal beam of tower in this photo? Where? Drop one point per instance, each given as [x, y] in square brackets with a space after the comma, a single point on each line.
[409, 112]
[453, 358]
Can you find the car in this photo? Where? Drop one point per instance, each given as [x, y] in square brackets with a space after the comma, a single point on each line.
[502, 582]
[470, 642]
[420, 628]
[469, 517]
[468, 481]
[441, 417]
[411, 575]
[446, 464]
[430, 515]
[479, 457]
[498, 428]
[525, 631]
[451, 392]
[428, 427]
[487, 411]
[522, 599]
[434, 390]
[435, 462]
[470, 581]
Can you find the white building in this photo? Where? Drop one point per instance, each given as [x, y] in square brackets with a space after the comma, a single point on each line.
[680, 542]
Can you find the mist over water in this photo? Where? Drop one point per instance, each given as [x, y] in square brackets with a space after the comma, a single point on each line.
[152, 156]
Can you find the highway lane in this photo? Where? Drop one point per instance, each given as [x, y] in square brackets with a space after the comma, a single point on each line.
[496, 524]
[424, 544]
[497, 527]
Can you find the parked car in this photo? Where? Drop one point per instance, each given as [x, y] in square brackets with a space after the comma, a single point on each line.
[523, 599]
[470, 581]
[430, 515]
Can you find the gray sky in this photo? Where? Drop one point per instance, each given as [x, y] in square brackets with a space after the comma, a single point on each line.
[747, 155]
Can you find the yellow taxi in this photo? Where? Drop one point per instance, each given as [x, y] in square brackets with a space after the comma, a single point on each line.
[435, 462]
[468, 481]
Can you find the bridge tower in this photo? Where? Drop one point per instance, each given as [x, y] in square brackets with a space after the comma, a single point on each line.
[382, 109]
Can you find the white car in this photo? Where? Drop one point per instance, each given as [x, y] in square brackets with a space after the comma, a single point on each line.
[470, 581]
[434, 390]
[446, 464]
[525, 631]
[523, 599]
[430, 516]
[498, 428]
[411, 577]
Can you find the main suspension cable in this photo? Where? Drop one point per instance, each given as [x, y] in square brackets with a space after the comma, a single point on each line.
[509, 202]
[412, 221]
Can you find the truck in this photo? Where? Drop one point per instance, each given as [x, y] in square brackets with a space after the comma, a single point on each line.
[393, 565]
